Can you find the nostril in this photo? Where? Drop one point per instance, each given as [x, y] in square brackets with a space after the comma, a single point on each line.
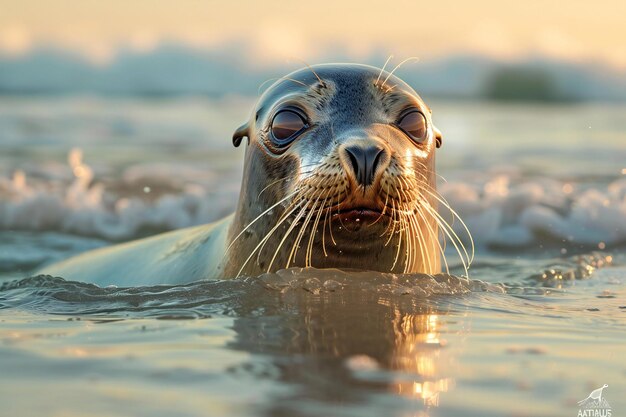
[378, 153]
[354, 161]
[364, 161]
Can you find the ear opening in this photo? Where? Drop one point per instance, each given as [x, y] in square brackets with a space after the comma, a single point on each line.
[438, 137]
[241, 132]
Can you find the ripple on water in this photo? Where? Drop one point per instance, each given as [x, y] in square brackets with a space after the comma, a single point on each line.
[54, 295]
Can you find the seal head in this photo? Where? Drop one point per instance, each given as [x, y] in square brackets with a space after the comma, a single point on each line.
[339, 172]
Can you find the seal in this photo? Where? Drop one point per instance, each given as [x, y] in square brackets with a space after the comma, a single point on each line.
[339, 172]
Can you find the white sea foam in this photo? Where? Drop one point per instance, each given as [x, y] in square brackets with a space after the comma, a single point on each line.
[86, 207]
[506, 213]
[499, 211]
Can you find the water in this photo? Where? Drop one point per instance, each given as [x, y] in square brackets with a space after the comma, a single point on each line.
[537, 326]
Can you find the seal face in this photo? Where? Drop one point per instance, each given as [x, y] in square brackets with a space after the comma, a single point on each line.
[339, 172]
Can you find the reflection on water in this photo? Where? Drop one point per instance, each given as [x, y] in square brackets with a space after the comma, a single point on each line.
[355, 337]
[418, 350]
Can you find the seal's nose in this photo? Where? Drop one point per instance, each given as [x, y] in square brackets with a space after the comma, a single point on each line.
[364, 160]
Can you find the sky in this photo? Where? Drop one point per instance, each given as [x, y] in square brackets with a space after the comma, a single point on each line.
[275, 30]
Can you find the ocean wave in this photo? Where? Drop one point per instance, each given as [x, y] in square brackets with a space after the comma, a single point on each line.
[88, 207]
[500, 210]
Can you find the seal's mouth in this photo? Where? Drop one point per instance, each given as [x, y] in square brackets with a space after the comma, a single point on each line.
[363, 215]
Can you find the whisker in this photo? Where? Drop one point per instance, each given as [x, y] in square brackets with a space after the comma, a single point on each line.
[447, 205]
[409, 243]
[312, 70]
[257, 218]
[409, 232]
[296, 243]
[399, 241]
[296, 81]
[287, 177]
[433, 192]
[324, 233]
[382, 213]
[314, 230]
[422, 242]
[390, 89]
[267, 236]
[426, 168]
[287, 212]
[291, 227]
[382, 70]
[278, 79]
[398, 66]
[265, 82]
[309, 253]
[393, 224]
[434, 236]
[330, 223]
[448, 230]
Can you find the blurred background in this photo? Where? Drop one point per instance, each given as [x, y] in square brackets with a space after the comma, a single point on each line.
[484, 49]
[116, 117]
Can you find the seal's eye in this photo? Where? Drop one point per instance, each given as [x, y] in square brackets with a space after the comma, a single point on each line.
[286, 126]
[413, 124]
